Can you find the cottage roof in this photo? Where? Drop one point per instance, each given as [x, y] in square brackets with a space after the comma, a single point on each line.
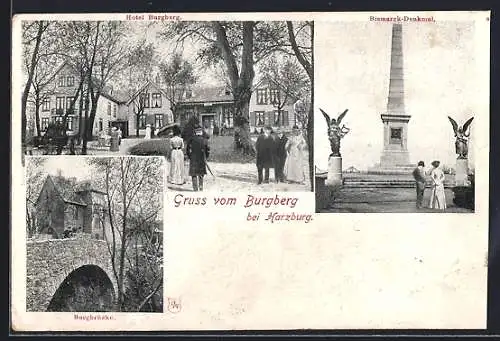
[209, 94]
[66, 188]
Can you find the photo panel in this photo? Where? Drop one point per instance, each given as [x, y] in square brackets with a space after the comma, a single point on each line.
[94, 234]
[401, 126]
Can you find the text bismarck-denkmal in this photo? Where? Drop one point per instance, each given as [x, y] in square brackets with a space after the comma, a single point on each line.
[403, 18]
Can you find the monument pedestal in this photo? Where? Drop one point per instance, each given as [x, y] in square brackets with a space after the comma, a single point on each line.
[462, 172]
[334, 175]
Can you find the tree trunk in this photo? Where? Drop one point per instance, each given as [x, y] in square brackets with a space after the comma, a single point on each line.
[27, 87]
[137, 116]
[242, 133]
[80, 109]
[37, 116]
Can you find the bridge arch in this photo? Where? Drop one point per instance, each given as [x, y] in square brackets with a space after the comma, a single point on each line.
[87, 288]
[55, 266]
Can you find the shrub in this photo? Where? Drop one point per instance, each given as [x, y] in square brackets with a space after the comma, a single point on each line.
[157, 146]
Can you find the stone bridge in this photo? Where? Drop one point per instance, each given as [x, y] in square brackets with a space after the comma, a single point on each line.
[73, 274]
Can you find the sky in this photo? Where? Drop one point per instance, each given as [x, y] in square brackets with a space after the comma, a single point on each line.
[69, 166]
[352, 63]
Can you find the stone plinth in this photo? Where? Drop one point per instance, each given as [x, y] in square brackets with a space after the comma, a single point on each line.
[334, 174]
[462, 172]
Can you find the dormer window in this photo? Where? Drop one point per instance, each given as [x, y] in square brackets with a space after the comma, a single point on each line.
[70, 81]
[62, 81]
[189, 93]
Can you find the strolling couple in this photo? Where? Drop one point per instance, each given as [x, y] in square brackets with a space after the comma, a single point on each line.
[438, 198]
[197, 150]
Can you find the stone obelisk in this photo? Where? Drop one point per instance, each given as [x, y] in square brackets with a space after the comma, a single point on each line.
[395, 156]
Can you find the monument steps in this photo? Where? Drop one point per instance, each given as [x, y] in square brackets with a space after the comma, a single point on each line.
[394, 183]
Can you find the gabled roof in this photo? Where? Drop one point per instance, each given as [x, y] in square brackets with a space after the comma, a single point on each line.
[66, 189]
[141, 89]
[107, 92]
[70, 190]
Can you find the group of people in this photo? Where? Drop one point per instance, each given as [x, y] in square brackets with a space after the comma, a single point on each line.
[285, 155]
[420, 174]
[274, 150]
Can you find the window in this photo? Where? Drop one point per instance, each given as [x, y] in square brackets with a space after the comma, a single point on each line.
[274, 95]
[61, 81]
[259, 118]
[58, 119]
[46, 104]
[75, 212]
[109, 109]
[70, 81]
[114, 110]
[60, 103]
[156, 100]
[68, 102]
[261, 96]
[100, 124]
[45, 123]
[142, 121]
[277, 118]
[145, 100]
[228, 118]
[69, 123]
[158, 120]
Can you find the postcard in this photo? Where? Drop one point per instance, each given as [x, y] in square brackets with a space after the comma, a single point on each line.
[250, 171]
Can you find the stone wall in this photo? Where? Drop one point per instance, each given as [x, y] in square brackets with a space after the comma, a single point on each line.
[49, 262]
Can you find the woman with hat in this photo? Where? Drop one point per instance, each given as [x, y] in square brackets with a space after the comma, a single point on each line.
[176, 157]
[294, 164]
[438, 198]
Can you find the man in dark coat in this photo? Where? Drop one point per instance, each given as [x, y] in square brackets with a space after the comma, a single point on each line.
[197, 150]
[280, 157]
[265, 147]
[419, 176]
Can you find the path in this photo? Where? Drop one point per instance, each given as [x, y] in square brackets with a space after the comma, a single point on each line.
[237, 177]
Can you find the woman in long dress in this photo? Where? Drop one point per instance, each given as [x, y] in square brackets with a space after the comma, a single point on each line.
[177, 159]
[438, 198]
[294, 164]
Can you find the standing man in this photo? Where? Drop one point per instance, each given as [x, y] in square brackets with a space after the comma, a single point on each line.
[265, 154]
[281, 155]
[198, 151]
[419, 176]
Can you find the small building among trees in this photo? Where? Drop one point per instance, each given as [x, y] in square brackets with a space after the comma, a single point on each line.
[65, 206]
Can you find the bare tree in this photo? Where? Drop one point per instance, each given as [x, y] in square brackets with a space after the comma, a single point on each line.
[239, 46]
[301, 37]
[32, 38]
[287, 80]
[34, 181]
[134, 198]
[177, 75]
[140, 67]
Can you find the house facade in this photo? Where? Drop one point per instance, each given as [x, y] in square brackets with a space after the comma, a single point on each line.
[270, 107]
[62, 90]
[64, 204]
[215, 108]
[149, 105]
